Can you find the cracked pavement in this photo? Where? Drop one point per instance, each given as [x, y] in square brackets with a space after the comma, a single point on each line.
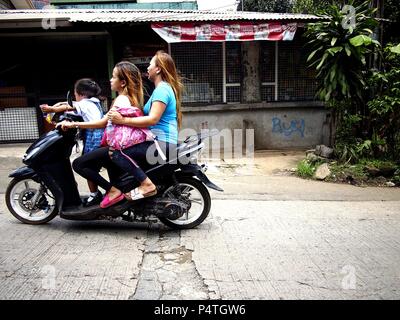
[268, 236]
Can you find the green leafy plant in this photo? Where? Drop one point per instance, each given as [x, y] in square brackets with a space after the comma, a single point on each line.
[385, 106]
[347, 173]
[280, 6]
[310, 6]
[339, 51]
[396, 177]
[306, 168]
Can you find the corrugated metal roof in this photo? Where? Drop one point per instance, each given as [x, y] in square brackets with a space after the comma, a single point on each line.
[119, 16]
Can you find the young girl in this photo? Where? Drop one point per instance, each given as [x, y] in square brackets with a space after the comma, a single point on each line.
[88, 106]
[127, 82]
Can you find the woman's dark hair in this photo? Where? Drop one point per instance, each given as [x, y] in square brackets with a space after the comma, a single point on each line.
[87, 87]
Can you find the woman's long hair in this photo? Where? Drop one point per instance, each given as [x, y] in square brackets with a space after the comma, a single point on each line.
[170, 75]
[128, 72]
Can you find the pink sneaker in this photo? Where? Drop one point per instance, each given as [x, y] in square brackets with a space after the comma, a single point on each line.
[108, 203]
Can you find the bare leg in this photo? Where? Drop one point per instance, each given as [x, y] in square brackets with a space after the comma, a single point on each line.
[92, 186]
[147, 186]
[114, 193]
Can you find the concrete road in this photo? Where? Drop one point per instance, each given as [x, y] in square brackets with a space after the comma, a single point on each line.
[269, 236]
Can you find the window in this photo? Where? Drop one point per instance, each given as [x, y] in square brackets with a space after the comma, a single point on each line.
[233, 71]
[210, 77]
[267, 61]
[200, 64]
[295, 80]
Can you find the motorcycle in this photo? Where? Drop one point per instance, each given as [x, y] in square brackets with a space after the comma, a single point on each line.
[46, 187]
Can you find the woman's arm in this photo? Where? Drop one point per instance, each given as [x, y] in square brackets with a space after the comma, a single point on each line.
[86, 125]
[156, 111]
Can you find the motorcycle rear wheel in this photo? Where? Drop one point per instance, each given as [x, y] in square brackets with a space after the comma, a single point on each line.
[18, 195]
[199, 197]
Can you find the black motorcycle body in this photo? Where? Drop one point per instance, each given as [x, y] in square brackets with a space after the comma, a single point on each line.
[46, 186]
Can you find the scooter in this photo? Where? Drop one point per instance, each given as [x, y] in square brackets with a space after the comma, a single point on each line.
[46, 187]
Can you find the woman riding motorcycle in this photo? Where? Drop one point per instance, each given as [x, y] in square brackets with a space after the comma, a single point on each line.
[161, 114]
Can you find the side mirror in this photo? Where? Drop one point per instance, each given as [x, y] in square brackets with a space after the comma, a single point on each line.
[69, 99]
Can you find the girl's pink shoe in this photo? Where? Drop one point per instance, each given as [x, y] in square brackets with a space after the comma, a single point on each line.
[108, 203]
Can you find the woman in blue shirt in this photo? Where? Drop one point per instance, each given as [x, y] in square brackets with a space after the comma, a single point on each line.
[162, 115]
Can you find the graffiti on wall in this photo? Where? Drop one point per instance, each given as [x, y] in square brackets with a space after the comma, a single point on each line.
[295, 126]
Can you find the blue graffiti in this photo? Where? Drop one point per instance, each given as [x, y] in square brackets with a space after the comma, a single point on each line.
[295, 126]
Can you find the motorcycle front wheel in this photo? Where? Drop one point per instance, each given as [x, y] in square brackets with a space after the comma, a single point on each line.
[194, 192]
[30, 202]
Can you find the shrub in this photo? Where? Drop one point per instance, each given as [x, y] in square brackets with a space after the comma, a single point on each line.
[306, 169]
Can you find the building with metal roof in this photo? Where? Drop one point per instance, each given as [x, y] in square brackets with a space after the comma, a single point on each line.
[256, 78]
[126, 15]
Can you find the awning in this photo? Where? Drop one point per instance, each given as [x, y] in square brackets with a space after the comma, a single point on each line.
[227, 31]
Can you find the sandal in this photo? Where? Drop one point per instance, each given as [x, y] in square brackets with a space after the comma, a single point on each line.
[108, 203]
[136, 195]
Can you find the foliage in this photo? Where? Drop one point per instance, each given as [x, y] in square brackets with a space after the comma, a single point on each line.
[339, 51]
[350, 148]
[385, 106]
[356, 171]
[392, 13]
[305, 169]
[280, 6]
[377, 163]
[396, 177]
[310, 6]
[388, 9]
[351, 152]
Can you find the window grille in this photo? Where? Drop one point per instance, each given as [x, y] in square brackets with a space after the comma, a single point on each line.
[233, 93]
[295, 80]
[233, 71]
[267, 61]
[268, 65]
[18, 125]
[18, 115]
[233, 62]
[284, 72]
[268, 93]
[200, 64]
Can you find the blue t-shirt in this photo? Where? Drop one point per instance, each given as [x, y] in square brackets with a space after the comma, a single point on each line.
[167, 128]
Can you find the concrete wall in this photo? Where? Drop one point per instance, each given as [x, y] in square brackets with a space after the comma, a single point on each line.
[276, 125]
